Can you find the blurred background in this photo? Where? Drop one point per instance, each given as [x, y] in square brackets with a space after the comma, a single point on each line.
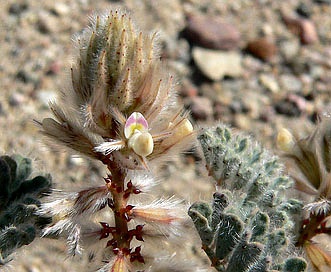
[257, 65]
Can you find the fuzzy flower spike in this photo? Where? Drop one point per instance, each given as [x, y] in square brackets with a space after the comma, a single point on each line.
[122, 111]
[121, 106]
[309, 164]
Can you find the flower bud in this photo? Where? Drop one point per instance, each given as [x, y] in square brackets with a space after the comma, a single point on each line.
[285, 140]
[183, 129]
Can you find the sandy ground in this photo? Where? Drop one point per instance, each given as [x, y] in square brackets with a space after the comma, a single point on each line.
[35, 56]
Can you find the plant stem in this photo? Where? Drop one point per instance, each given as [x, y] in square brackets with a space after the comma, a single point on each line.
[120, 205]
[310, 228]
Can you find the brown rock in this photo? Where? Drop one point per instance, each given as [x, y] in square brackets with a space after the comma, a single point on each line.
[302, 27]
[188, 89]
[201, 108]
[211, 33]
[262, 48]
[216, 64]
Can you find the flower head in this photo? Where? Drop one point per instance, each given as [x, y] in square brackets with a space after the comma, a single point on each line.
[122, 104]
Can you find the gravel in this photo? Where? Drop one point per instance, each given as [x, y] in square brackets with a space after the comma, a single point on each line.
[285, 85]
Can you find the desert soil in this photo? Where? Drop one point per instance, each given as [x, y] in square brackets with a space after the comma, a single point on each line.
[282, 81]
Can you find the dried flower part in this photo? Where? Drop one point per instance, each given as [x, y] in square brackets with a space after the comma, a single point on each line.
[67, 209]
[320, 258]
[285, 140]
[309, 163]
[319, 208]
[154, 215]
[119, 264]
[310, 159]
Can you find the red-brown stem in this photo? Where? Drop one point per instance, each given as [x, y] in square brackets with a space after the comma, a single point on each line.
[310, 228]
[120, 203]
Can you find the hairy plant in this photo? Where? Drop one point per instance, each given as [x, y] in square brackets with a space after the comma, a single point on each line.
[122, 111]
[251, 224]
[19, 201]
[309, 164]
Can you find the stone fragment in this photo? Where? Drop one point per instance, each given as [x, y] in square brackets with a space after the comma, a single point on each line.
[269, 82]
[46, 96]
[293, 105]
[54, 68]
[211, 33]
[217, 64]
[188, 89]
[304, 28]
[290, 49]
[201, 108]
[304, 10]
[290, 83]
[47, 23]
[323, 1]
[61, 9]
[262, 48]
[16, 99]
[17, 8]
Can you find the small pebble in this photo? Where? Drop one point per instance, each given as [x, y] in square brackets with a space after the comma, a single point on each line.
[188, 89]
[298, 65]
[216, 64]
[23, 76]
[269, 82]
[302, 27]
[201, 108]
[323, 1]
[54, 68]
[242, 121]
[237, 106]
[47, 23]
[267, 114]
[61, 9]
[2, 111]
[299, 101]
[16, 99]
[17, 8]
[211, 33]
[289, 49]
[304, 10]
[262, 48]
[75, 161]
[290, 83]
[292, 106]
[45, 96]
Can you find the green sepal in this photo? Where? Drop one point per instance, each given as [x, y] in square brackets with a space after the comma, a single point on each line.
[259, 225]
[13, 237]
[228, 234]
[295, 265]
[244, 255]
[276, 242]
[35, 186]
[220, 202]
[5, 179]
[200, 212]
[23, 171]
